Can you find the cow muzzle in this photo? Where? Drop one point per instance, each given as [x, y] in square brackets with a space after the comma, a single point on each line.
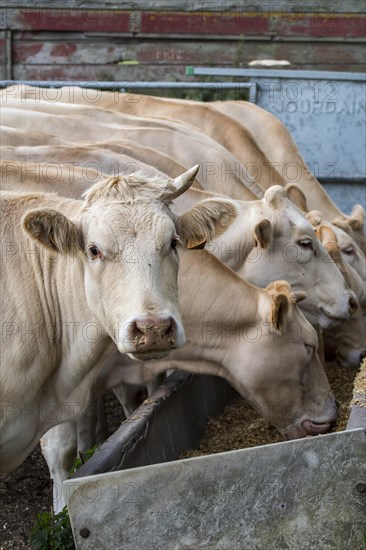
[351, 358]
[307, 427]
[152, 337]
[314, 426]
[331, 317]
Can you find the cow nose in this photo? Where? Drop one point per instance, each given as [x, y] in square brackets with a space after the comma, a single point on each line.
[159, 325]
[353, 304]
[153, 333]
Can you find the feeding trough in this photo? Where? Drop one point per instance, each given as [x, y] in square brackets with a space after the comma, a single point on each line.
[304, 493]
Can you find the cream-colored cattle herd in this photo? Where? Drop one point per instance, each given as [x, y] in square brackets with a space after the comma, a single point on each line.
[266, 232]
[79, 276]
[236, 212]
[256, 339]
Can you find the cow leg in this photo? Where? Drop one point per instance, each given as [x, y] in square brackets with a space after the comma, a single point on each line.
[129, 396]
[154, 384]
[87, 425]
[59, 447]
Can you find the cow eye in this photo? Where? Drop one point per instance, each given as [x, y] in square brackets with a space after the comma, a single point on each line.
[306, 244]
[173, 244]
[94, 252]
[349, 250]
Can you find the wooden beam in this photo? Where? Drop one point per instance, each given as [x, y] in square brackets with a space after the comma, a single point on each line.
[189, 23]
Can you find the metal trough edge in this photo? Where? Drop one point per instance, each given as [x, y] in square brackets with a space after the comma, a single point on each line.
[277, 494]
[357, 418]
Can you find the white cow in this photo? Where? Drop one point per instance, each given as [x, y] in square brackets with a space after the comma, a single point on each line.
[80, 276]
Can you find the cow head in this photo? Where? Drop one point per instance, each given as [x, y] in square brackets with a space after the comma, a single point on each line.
[350, 251]
[127, 240]
[353, 224]
[346, 342]
[291, 389]
[286, 247]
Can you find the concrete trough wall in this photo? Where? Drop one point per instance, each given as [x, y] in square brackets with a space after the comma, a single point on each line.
[307, 494]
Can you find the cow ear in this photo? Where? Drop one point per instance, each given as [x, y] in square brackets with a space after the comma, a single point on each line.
[206, 220]
[297, 197]
[314, 217]
[328, 238]
[279, 310]
[53, 230]
[357, 217]
[263, 233]
[325, 234]
[342, 224]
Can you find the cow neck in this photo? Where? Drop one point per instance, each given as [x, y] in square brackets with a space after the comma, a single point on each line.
[60, 281]
[213, 299]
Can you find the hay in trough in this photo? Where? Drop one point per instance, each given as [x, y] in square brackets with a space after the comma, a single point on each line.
[240, 426]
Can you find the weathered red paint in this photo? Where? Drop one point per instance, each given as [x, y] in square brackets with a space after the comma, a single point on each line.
[25, 53]
[203, 23]
[198, 23]
[63, 50]
[322, 26]
[75, 20]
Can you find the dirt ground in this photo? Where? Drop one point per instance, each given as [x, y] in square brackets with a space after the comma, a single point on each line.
[27, 491]
[23, 494]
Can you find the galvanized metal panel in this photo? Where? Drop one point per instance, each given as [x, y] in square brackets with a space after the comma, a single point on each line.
[346, 195]
[357, 418]
[325, 112]
[326, 118]
[304, 494]
[278, 74]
